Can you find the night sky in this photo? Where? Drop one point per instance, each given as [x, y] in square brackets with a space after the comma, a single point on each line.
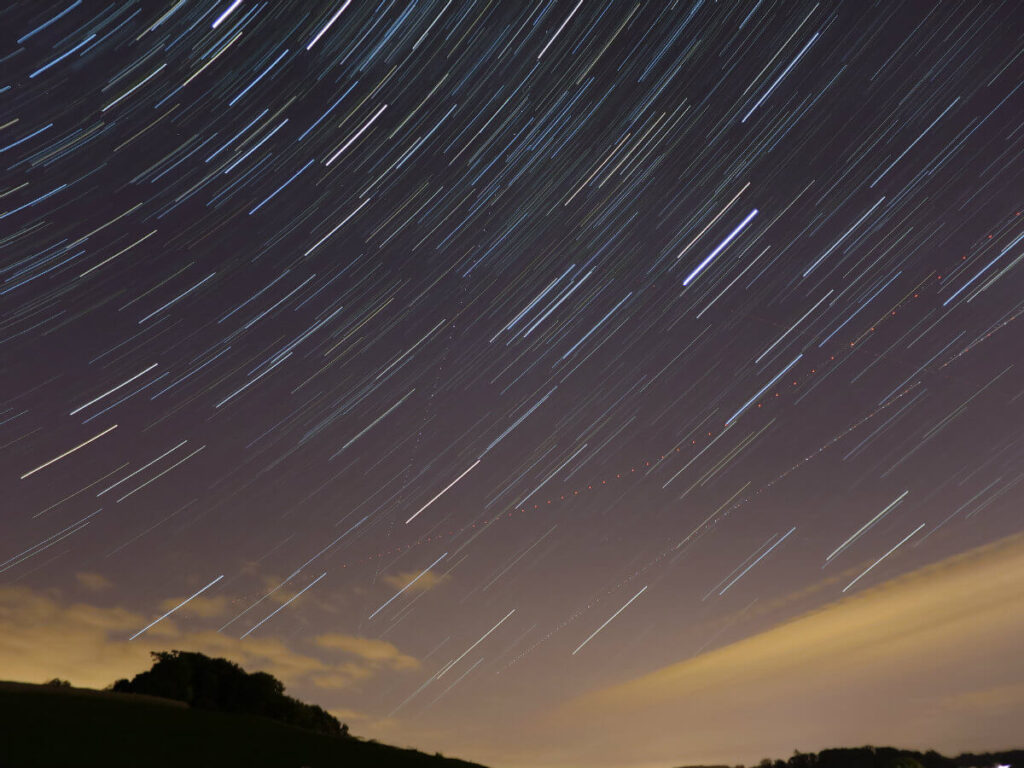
[462, 361]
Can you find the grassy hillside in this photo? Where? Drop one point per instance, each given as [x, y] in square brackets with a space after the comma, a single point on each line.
[48, 726]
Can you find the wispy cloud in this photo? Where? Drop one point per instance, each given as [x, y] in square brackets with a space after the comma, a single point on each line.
[909, 663]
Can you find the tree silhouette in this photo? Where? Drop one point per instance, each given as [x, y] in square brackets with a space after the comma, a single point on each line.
[222, 685]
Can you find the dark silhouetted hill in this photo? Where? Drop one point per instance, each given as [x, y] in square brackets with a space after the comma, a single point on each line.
[57, 726]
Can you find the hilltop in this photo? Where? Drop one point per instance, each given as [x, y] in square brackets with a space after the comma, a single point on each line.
[47, 725]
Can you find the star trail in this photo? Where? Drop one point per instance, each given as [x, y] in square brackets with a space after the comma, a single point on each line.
[696, 316]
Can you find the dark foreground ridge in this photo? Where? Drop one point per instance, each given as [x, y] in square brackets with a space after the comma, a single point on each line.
[48, 725]
[890, 757]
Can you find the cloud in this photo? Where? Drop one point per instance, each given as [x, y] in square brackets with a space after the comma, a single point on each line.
[987, 702]
[910, 662]
[426, 582]
[94, 582]
[376, 652]
[41, 638]
[44, 636]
